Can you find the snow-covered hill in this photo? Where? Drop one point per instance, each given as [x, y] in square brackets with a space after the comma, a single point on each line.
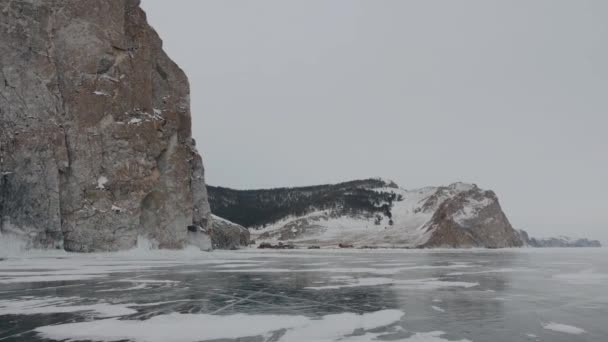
[458, 215]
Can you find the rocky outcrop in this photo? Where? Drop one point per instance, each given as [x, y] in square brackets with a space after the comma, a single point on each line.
[471, 218]
[228, 235]
[95, 140]
[560, 241]
[372, 212]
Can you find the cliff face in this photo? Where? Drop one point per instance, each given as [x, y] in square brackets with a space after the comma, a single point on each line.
[95, 140]
[371, 213]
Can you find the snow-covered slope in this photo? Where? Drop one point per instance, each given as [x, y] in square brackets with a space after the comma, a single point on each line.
[458, 215]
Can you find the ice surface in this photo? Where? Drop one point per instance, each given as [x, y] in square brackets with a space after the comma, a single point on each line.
[585, 277]
[301, 295]
[51, 305]
[48, 278]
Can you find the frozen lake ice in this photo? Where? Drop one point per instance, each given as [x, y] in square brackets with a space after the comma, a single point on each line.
[306, 295]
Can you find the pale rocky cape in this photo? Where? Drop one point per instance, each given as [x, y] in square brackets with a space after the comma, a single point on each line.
[95, 139]
[455, 216]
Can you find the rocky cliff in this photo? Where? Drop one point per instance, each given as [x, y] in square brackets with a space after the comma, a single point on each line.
[95, 140]
[371, 212]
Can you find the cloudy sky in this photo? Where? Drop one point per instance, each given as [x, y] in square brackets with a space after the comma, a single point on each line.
[510, 95]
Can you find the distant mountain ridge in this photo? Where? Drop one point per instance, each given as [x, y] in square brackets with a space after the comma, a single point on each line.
[560, 241]
[370, 212]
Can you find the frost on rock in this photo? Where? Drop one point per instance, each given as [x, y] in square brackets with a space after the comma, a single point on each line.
[117, 209]
[470, 210]
[134, 121]
[101, 182]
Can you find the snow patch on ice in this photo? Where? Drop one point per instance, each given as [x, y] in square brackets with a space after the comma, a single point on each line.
[177, 327]
[498, 270]
[433, 336]
[411, 284]
[379, 271]
[355, 283]
[431, 284]
[438, 309]
[143, 284]
[563, 328]
[235, 265]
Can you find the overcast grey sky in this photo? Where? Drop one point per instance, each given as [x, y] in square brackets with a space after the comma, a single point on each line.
[510, 95]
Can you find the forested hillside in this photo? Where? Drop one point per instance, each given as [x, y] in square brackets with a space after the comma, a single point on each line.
[257, 208]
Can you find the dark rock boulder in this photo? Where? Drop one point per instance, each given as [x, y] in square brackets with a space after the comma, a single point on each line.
[227, 235]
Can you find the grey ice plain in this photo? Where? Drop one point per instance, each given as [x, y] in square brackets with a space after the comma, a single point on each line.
[411, 296]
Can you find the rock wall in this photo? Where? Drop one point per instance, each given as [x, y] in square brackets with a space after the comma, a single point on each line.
[95, 139]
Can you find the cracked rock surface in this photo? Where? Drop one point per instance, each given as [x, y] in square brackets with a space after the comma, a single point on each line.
[95, 129]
